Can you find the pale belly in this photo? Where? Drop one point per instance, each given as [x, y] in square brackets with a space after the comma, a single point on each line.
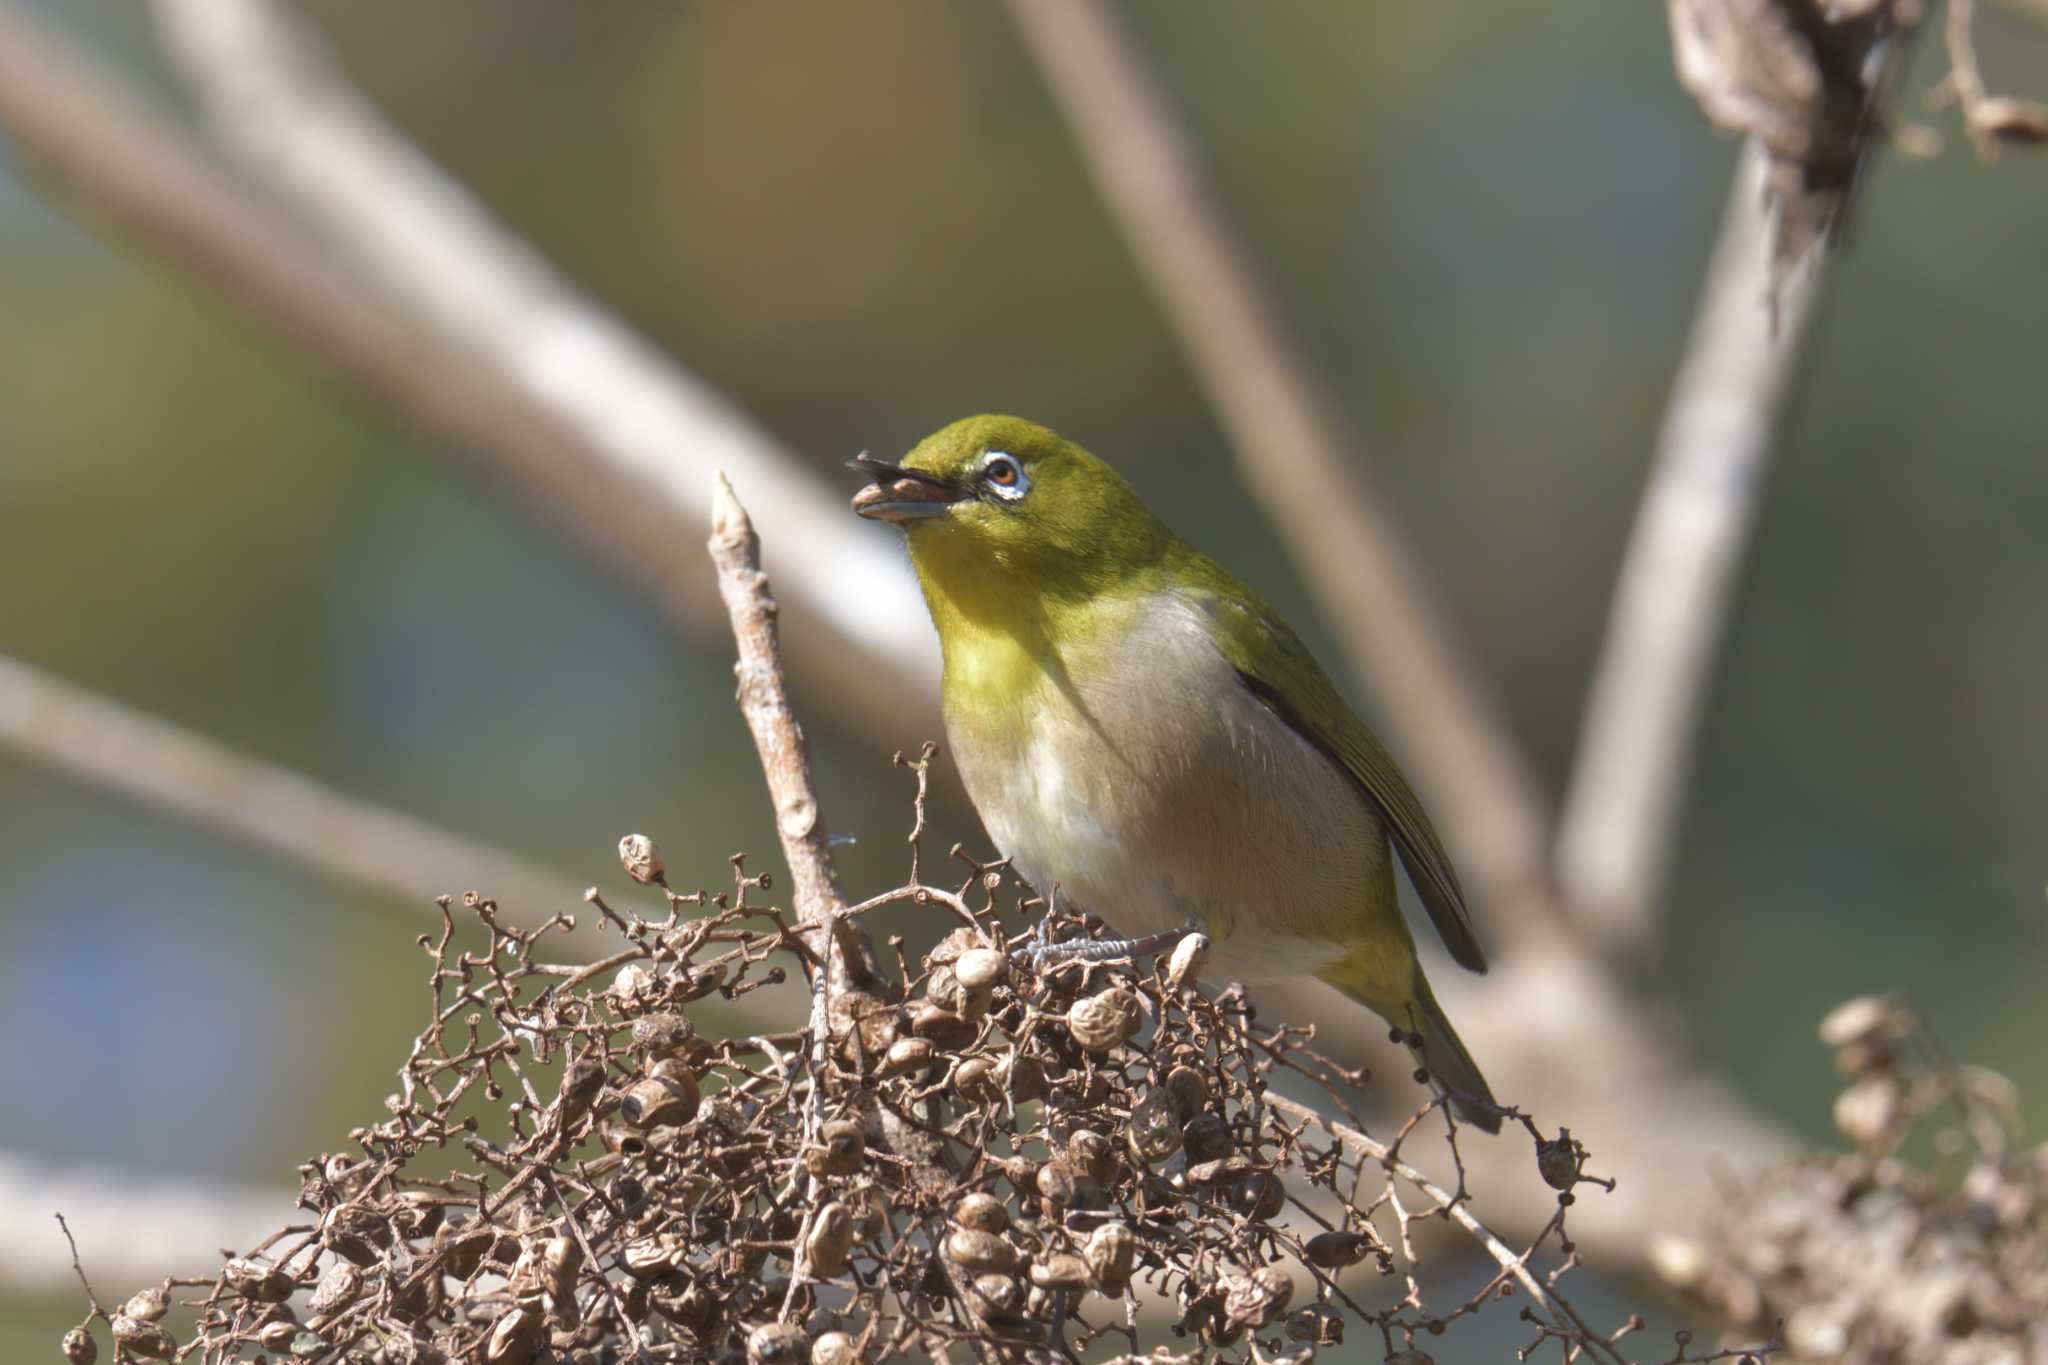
[1179, 799]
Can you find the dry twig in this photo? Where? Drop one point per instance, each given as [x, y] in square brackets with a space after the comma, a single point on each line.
[1678, 577]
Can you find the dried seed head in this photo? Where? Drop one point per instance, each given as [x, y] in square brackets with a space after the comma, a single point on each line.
[1111, 1252]
[1334, 1250]
[418, 1213]
[1560, 1161]
[664, 1034]
[562, 1260]
[982, 1212]
[1261, 1197]
[632, 988]
[981, 1251]
[1184, 967]
[255, 1278]
[80, 1348]
[641, 859]
[779, 1343]
[1107, 1019]
[667, 1099]
[141, 1337]
[907, 1055]
[975, 1079]
[945, 1030]
[998, 1296]
[1091, 1154]
[650, 1258]
[1317, 1325]
[834, 1348]
[147, 1305]
[278, 1336]
[1188, 1092]
[861, 1023]
[462, 1249]
[831, 1240]
[1154, 1129]
[1056, 1182]
[1256, 1299]
[1023, 1078]
[1206, 1137]
[1869, 1109]
[842, 1149]
[981, 969]
[1060, 1271]
[871, 1218]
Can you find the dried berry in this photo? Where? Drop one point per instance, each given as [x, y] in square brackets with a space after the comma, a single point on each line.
[1111, 1252]
[982, 1212]
[1106, 1019]
[641, 859]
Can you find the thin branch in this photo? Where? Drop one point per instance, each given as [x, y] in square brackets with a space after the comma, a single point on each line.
[106, 744]
[1292, 456]
[647, 430]
[1679, 575]
[1516, 1267]
[785, 756]
[140, 175]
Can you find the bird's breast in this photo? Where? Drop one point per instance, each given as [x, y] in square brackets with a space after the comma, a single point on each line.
[1138, 776]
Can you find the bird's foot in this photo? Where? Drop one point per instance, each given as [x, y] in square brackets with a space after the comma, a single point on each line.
[1042, 954]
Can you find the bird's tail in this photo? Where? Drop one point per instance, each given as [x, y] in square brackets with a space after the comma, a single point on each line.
[1451, 1068]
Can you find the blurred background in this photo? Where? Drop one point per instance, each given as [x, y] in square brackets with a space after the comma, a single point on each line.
[1486, 226]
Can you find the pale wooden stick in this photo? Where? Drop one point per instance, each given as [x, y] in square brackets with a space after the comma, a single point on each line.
[1678, 577]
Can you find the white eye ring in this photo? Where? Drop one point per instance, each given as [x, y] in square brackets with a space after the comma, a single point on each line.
[1004, 476]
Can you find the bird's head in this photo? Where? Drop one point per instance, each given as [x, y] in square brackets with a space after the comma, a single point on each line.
[1003, 501]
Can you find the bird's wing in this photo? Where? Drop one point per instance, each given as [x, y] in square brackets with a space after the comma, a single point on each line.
[1278, 669]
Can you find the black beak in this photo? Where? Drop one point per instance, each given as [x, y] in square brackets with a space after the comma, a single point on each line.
[886, 474]
[899, 494]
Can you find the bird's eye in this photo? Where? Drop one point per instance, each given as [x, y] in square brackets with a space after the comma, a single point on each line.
[1004, 476]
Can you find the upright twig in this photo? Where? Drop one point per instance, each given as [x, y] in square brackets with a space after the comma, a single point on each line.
[1679, 575]
[1293, 458]
[779, 740]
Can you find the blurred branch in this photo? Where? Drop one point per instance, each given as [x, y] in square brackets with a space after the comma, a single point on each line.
[137, 172]
[131, 1228]
[1678, 576]
[649, 433]
[1292, 457]
[108, 745]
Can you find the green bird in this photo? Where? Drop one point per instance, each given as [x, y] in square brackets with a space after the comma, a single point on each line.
[1139, 730]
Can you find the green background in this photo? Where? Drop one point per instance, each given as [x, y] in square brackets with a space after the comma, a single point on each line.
[1486, 224]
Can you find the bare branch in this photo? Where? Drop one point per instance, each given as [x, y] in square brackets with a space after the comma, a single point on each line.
[764, 701]
[144, 177]
[1292, 456]
[648, 430]
[1678, 577]
[108, 745]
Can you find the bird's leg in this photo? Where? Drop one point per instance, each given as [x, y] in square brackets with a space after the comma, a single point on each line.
[1042, 954]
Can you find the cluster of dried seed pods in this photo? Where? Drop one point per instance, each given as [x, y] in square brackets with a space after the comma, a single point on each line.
[577, 1167]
